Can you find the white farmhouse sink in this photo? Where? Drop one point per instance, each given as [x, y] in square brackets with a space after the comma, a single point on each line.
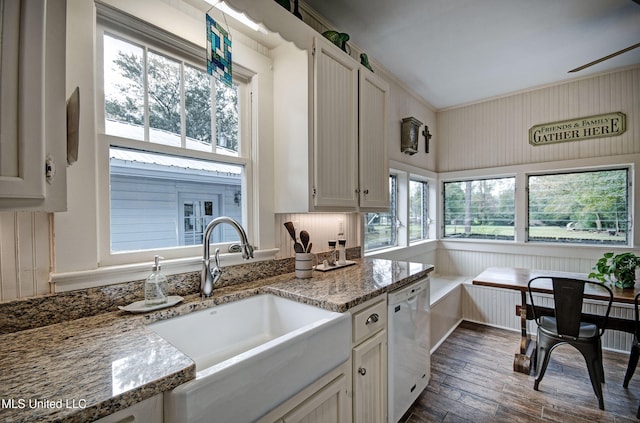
[251, 355]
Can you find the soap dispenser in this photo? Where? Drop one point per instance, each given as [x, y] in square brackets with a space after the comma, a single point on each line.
[155, 286]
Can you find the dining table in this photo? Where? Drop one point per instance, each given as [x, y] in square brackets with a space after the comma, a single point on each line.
[517, 279]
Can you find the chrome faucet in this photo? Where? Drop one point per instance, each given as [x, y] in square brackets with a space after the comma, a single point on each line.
[210, 276]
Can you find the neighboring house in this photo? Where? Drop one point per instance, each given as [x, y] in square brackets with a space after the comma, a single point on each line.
[169, 188]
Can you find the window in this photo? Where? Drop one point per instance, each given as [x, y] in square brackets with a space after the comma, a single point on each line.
[169, 107]
[381, 229]
[418, 217]
[161, 201]
[589, 207]
[480, 209]
[176, 156]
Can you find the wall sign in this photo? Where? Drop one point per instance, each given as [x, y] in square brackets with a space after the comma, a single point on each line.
[598, 126]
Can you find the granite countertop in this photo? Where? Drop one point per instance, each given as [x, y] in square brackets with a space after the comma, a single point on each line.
[84, 369]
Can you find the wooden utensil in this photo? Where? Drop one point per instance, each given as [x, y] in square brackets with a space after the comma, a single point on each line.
[297, 247]
[304, 239]
[309, 247]
[291, 229]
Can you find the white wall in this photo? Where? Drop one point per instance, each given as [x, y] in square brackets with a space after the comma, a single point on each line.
[491, 138]
[496, 132]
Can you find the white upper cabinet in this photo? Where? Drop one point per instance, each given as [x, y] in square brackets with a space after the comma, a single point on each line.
[330, 121]
[32, 105]
[372, 142]
[330, 131]
[335, 123]
[351, 169]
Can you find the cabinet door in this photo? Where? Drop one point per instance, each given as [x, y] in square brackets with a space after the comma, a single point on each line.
[335, 128]
[33, 142]
[22, 55]
[329, 405]
[370, 380]
[372, 134]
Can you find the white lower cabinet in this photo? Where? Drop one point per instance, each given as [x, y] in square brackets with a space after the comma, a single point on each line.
[149, 410]
[324, 401]
[369, 357]
[370, 380]
[329, 405]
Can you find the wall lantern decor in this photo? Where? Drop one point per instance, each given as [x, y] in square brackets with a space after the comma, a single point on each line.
[409, 135]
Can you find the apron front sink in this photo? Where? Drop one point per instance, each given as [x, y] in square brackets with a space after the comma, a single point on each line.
[251, 355]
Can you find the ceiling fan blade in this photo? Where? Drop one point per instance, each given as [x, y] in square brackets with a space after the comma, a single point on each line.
[602, 59]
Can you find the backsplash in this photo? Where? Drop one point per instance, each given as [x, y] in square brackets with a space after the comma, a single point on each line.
[25, 246]
[321, 227]
[25, 252]
[46, 310]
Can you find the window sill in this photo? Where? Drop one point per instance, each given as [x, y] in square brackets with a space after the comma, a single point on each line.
[425, 244]
[110, 275]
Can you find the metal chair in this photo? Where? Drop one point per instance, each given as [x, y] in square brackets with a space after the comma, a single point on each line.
[635, 351]
[565, 325]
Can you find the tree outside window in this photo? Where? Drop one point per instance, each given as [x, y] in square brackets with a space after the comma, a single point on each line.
[125, 90]
[418, 217]
[480, 209]
[579, 207]
[380, 228]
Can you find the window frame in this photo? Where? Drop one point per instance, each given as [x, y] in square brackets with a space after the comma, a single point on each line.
[393, 203]
[404, 173]
[425, 205]
[629, 198]
[521, 173]
[242, 77]
[476, 179]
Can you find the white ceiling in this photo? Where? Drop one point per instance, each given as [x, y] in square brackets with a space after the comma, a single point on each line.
[453, 52]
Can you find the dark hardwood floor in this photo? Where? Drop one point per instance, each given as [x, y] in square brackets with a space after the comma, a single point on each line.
[472, 381]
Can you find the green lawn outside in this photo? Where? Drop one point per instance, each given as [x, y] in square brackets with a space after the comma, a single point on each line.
[537, 233]
[379, 234]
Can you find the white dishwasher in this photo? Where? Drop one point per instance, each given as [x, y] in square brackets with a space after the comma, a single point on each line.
[408, 346]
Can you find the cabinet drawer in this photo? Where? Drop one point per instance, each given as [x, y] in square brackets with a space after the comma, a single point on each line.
[369, 321]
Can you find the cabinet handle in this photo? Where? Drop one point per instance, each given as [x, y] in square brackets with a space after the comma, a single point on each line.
[366, 191]
[362, 371]
[372, 319]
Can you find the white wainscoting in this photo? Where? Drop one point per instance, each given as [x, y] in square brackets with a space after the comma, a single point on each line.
[490, 306]
[471, 258]
[25, 254]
